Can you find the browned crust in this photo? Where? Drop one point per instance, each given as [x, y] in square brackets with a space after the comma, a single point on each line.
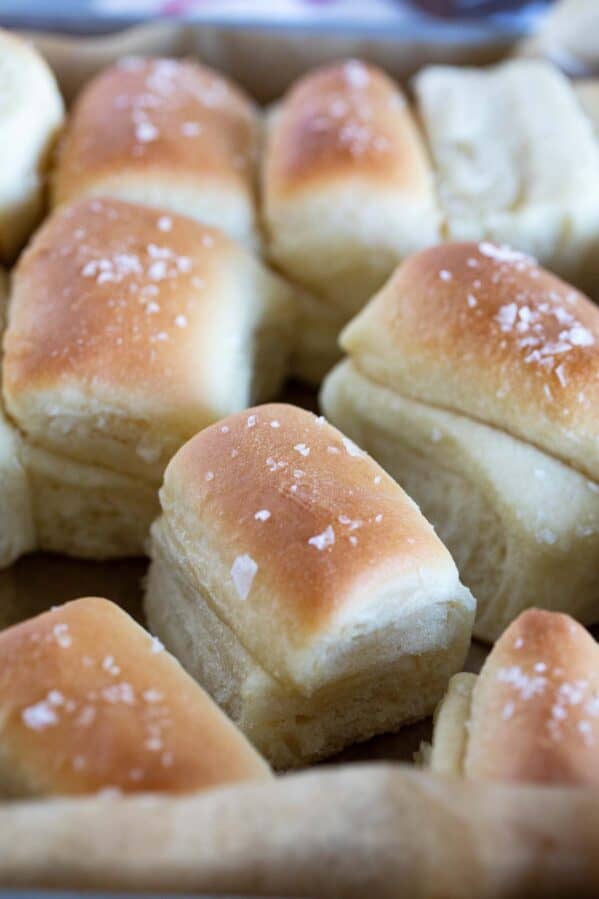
[176, 119]
[88, 700]
[535, 707]
[484, 331]
[336, 522]
[345, 119]
[105, 298]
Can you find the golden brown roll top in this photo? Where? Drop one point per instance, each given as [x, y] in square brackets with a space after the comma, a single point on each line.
[169, 133]
[131, 328]
[90, 701]
[533, 712]
[31, 115]
[481, 330]
[348, 190]
[302, 542]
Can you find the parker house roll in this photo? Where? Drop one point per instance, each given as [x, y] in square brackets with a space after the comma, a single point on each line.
[31, 115]
[168, 133]
[473, 378]
[90, 701]
[516, 161]
[130, 330]
[347, 193]
[532, 714]
[301, 586]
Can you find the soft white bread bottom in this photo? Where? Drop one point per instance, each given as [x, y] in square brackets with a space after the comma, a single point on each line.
[522, 527]
[315, 349]
[448, 750]
[17, 534]
[288, 727]
[87, 511]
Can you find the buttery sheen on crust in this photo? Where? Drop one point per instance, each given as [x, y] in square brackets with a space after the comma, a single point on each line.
[165, 132]
[482, 330]
[130, 329]
[472, 379]
[347, 190]
[90, 701]
[301, 586]
[31, 115]
[533, 712]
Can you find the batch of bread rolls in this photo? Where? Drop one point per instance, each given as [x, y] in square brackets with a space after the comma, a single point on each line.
[173, 256]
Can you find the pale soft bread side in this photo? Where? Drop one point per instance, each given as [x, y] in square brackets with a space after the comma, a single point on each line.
[130, 329]
[168, 133]
[483, 331]
[31, 115]
[17, 532]
[287, 727]
[365, 830]
[347, 186]
[451, 718]
[87, 511]
[91, 701]
[300, 584]
[587, 92]
[533, 714]
[315, 346]
[522, 526]
[516, 160]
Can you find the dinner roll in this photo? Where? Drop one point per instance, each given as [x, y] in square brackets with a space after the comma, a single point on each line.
[516, 161]
[31, 114]
[472, 378]
[130, 329]
[90, 701]
[168, 133]
[347, 192]
[533, 712]
[301, 586]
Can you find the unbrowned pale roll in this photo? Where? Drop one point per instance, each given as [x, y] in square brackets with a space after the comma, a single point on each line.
[90, 701]
[31, 115]
[473, 378]
[130, 329]
[347, 189]
[533, 712]
[568, 35]
[301, 586]
[169, 133]
[336, 832]
[516, 162]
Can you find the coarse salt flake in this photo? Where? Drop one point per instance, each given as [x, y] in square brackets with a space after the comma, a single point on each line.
[352, 448]
[243, 572]
[302, 449]
[323, 540]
